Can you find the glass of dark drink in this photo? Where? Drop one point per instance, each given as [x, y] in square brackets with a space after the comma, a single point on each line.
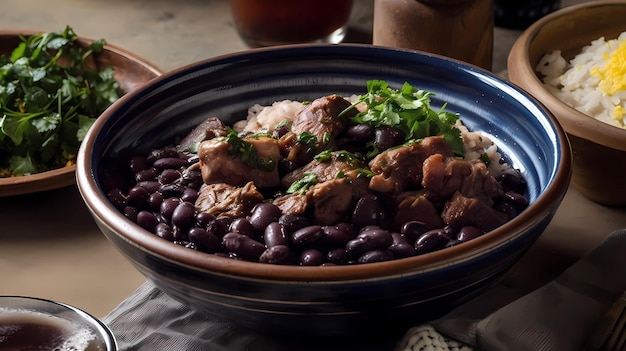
[277, 22]
[28, 323]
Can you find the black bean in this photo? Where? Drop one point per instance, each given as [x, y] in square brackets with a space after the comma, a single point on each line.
[338, 256]
[513, 179]
[519, 201]
[432, 240]
[146, 174]
[468, 233]
[376, 256]
[137, 196]
[165, 231]
[263, 214]
[161, 153]
[185, 243]
[150, 185]
[413, 230]
[243, 245]
[367, 211]
[311, 257]
[242, 226]
[339, 233]
[172, 190]
[168, 206]
[138, 163]
[293, 222]
[169, 176]
[217, 228]
[180, 234]
[275, 234]
[375, 238]
[147, 220]
[117, 197]
[387, 137]
[307, 235]
[359, 132]
[131, 213]
[155, 200]
[192, 179]
[507, 208]
[280, 131]
[189, 195]
[205, 240]
[203, 219]
[184, 215]
[285, 166]
[279, 254]
[170, 162]
[401, 247]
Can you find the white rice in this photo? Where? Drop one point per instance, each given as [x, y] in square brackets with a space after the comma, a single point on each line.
[576, 84]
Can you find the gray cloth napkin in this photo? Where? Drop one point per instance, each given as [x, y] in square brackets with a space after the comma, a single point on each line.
[557, 316]
[560, 315]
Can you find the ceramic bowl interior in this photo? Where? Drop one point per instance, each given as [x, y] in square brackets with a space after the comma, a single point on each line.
[40, 321]
[131, 71]
[599, 149]
[328, 300]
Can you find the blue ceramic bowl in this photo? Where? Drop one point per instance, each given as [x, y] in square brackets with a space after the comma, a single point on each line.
[326, 300]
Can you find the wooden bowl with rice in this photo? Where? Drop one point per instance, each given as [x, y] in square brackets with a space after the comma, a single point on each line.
[586, 91]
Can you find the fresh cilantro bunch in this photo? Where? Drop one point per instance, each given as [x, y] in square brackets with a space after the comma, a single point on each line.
[409, 110]
[49, 98]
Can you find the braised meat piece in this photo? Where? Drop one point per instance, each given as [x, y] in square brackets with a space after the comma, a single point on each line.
[314, 128]
[219, 164]
[442, 177]
[220, 199]
[400, 169]
[463, 211]
[212, 127]
[328, 202]
[415, 206]
[337, 162]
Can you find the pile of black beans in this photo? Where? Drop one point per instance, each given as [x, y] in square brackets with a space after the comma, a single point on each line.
[158, 191]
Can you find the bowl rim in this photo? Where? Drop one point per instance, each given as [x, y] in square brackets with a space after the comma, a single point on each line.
[63, 176]
[110, 217]
[522, 73]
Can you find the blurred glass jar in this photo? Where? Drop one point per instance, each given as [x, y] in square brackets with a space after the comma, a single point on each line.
[519, 14]
[277, 22]
[460, 29]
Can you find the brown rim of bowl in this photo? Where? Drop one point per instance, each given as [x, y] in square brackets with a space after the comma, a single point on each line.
[523, 73]
[64, 176]
[106, 214]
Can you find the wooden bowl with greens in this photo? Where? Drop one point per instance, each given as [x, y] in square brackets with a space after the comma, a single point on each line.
[53, 86]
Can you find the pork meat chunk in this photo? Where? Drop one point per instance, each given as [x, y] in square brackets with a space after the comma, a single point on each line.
[400, 169]
[314, 128]
[210, 128]
[219, 164]
[442, 177]
[415, 206]
[221, 199]
[338, 162]
[462, 211]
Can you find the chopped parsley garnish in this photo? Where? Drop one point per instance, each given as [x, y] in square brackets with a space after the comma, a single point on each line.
[309, 140]
[303, 184]
[345, 156]
[409, 110]
[247, 152]
[49, 98]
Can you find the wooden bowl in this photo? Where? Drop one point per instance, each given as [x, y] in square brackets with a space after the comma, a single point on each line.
[599, 149]
[131, 71]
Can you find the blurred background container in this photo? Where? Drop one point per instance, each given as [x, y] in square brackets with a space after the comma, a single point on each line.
[519, 14]
[275, 22]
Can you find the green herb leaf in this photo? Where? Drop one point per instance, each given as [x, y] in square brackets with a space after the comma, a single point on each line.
[303, 184]
[409, 110]
[49, 97]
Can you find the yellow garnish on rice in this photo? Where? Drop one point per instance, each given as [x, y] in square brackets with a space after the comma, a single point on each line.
[613, 74]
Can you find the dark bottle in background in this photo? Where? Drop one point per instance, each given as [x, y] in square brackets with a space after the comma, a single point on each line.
[519, 14]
